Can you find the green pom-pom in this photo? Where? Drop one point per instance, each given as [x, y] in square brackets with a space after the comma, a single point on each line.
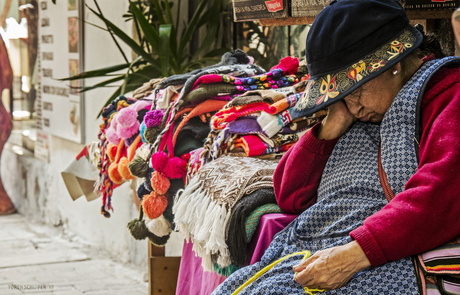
[138, 229]
[138, 167]
[151, 134]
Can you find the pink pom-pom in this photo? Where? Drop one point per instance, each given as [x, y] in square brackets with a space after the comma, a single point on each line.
[160, 183]
[127, 132]
[126, 117]
[140, 105]
[289, 64]
[159, 161]
[112, 136]
[113, 122]
[175, 168]
[153, 118]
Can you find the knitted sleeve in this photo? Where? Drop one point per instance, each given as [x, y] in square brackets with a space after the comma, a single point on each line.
[425, 215]
[299, 172]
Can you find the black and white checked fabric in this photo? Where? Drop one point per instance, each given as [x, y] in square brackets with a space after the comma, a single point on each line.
[349, 192]
[398, 126]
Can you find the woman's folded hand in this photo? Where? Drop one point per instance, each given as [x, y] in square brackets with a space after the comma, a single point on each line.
[331, 268]
[337, 122]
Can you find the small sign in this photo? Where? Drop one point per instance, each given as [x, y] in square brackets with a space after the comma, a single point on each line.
[307, 8]
[431, 4]
[246, 10]
[42, 147]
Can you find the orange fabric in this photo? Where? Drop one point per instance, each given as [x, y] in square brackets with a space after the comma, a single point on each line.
[120, 150]
[183, 111]
[132, 149]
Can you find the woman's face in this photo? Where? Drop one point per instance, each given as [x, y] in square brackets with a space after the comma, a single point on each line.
[370, 102]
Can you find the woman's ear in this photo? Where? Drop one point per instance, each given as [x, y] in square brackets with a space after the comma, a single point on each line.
[396, 69]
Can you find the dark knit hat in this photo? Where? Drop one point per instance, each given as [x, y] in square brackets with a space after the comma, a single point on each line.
[350, 43]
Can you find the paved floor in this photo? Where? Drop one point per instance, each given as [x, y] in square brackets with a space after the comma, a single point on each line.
[36, 259]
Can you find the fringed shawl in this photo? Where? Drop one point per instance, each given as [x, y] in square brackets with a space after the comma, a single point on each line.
[203, 209]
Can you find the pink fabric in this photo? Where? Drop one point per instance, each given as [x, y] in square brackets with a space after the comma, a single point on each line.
[193, 280]
[270, 225]
[208, 79]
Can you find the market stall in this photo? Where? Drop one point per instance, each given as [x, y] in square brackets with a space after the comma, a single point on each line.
[200, 150]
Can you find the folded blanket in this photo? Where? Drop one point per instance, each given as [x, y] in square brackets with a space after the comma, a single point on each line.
[227, 115]
[253, 145]
[269, 96]
[228, 59]
[273, 79]
[235, 231]
[252, 222]
[202, 209]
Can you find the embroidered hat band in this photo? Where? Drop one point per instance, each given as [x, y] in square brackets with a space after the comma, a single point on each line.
[350, 43]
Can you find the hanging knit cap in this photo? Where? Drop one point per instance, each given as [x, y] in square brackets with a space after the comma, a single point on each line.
[350, 43]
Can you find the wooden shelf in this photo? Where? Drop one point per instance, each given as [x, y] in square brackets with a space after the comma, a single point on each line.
[432, 14]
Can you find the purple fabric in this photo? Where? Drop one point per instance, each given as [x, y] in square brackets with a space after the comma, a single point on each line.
[269, 226]
[287, 130]
[246, 125]
[193, 280]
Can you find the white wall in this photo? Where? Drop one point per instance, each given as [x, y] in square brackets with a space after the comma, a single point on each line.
[37, 188]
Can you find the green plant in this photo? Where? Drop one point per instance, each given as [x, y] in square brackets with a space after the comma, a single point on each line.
[163, 48]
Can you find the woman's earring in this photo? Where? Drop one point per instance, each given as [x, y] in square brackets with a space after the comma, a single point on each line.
[395, 72]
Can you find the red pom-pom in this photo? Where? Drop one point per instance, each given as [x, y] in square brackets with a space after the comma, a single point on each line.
[159, 161]
[175, 168]
[289, 64]
[114, 175]
[154, 205]
[123, 169]
[112, 152]
[185, 157]
[160, 183]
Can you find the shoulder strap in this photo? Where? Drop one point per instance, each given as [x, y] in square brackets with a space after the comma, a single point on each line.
[383, 179]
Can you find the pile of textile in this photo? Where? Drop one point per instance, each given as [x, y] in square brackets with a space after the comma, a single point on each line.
[201, 149]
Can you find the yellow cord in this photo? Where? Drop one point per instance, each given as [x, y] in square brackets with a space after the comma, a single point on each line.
[270, 266]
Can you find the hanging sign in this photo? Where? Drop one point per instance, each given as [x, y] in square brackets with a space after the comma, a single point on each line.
[307, 8]
[246, 10]
[431, 4]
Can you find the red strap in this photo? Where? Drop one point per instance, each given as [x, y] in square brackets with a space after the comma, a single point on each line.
[383, 179]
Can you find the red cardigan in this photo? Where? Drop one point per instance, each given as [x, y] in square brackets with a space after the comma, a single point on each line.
[423, 216]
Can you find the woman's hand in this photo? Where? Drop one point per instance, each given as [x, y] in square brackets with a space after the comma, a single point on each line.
[337, 121]
[331, 268]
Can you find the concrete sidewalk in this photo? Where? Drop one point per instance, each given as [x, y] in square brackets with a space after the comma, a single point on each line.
[36, 259]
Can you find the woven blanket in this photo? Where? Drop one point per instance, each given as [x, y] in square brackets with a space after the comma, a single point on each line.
[202, 209]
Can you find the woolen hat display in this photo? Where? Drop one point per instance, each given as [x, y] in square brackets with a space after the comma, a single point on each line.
[350, 43]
